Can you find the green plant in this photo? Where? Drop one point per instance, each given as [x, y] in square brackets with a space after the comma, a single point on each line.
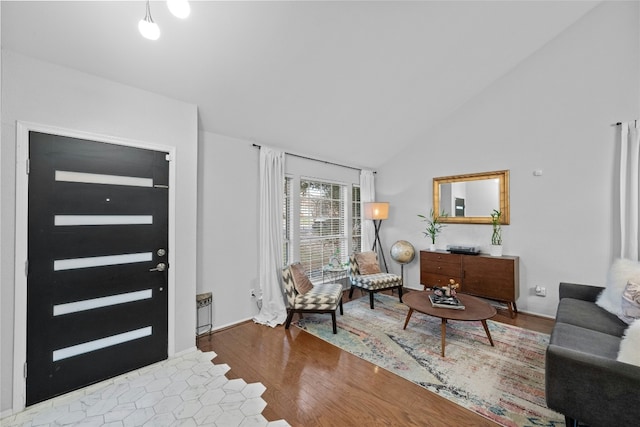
[496, 237]
[434, 226]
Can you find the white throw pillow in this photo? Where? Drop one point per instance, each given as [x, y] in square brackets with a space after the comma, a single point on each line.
[631, 302]
[620, 272]
[630, 344]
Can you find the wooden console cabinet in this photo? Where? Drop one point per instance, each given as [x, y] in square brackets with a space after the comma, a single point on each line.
[496, 278]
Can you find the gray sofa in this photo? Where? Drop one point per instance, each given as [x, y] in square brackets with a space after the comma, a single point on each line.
[583, 379]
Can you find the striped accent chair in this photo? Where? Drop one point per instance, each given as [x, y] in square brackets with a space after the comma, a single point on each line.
[372, 283]
[322, 298]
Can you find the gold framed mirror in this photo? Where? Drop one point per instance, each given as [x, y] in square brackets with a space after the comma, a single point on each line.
[471, 198]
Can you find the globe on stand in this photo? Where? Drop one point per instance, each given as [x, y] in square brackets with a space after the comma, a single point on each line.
[402, 252]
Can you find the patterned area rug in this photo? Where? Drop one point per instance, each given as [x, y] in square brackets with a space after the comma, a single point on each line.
[504, 383]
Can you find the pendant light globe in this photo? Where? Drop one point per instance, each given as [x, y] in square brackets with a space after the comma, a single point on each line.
[147, 27]
[149, 30]
[179, 8]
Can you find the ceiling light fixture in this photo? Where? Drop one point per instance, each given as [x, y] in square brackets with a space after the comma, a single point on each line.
[179, 8]
[147, 27]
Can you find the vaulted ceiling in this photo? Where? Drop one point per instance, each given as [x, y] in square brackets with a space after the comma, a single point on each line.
[346, 81]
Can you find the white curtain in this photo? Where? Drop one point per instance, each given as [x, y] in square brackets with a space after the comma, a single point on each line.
[367, 194]
[273, 311]
[629, 190]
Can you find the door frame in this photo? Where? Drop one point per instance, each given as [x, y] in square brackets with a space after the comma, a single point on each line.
[21, 242]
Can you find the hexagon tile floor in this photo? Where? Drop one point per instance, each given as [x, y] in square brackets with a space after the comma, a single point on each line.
[183, 391]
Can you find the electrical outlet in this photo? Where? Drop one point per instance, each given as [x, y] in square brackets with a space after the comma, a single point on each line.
[541, 291]
[252, 293]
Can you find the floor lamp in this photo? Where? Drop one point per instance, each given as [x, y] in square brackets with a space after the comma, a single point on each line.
[377, 211]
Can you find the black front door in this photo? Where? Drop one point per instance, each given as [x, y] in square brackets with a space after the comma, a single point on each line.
[97, 262]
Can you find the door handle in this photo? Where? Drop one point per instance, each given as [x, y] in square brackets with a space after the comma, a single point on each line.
[160, 267]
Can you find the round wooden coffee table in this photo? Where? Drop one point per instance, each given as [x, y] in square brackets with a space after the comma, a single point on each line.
[475, 309]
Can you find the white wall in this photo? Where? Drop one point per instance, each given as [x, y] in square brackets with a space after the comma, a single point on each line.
[47, 94]
[228, 201]
[228, 188]
[553, 112]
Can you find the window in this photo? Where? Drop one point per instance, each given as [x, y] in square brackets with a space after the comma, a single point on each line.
[322, 225]
[286, 222]
[356, 228]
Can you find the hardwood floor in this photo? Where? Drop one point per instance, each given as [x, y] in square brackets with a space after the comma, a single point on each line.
[312, 383]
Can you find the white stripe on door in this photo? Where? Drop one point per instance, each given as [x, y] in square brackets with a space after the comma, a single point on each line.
[100, 261]
[96, 178]
[75, 350]
[66, 220]
[90, 304]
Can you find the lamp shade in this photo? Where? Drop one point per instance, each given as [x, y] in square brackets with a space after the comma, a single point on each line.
[376, 210]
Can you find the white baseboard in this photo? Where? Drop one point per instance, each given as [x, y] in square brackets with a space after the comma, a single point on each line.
[183, 352]
[533, 313]
[6, 413]
[217, 328]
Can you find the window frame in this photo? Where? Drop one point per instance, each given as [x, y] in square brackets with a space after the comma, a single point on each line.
[356, 219]
[319, 243]
[287, 228]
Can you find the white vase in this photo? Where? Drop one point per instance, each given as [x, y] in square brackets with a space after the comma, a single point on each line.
[495, 250]
[432, 247]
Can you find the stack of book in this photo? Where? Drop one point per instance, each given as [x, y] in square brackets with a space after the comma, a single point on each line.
[445, 302]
